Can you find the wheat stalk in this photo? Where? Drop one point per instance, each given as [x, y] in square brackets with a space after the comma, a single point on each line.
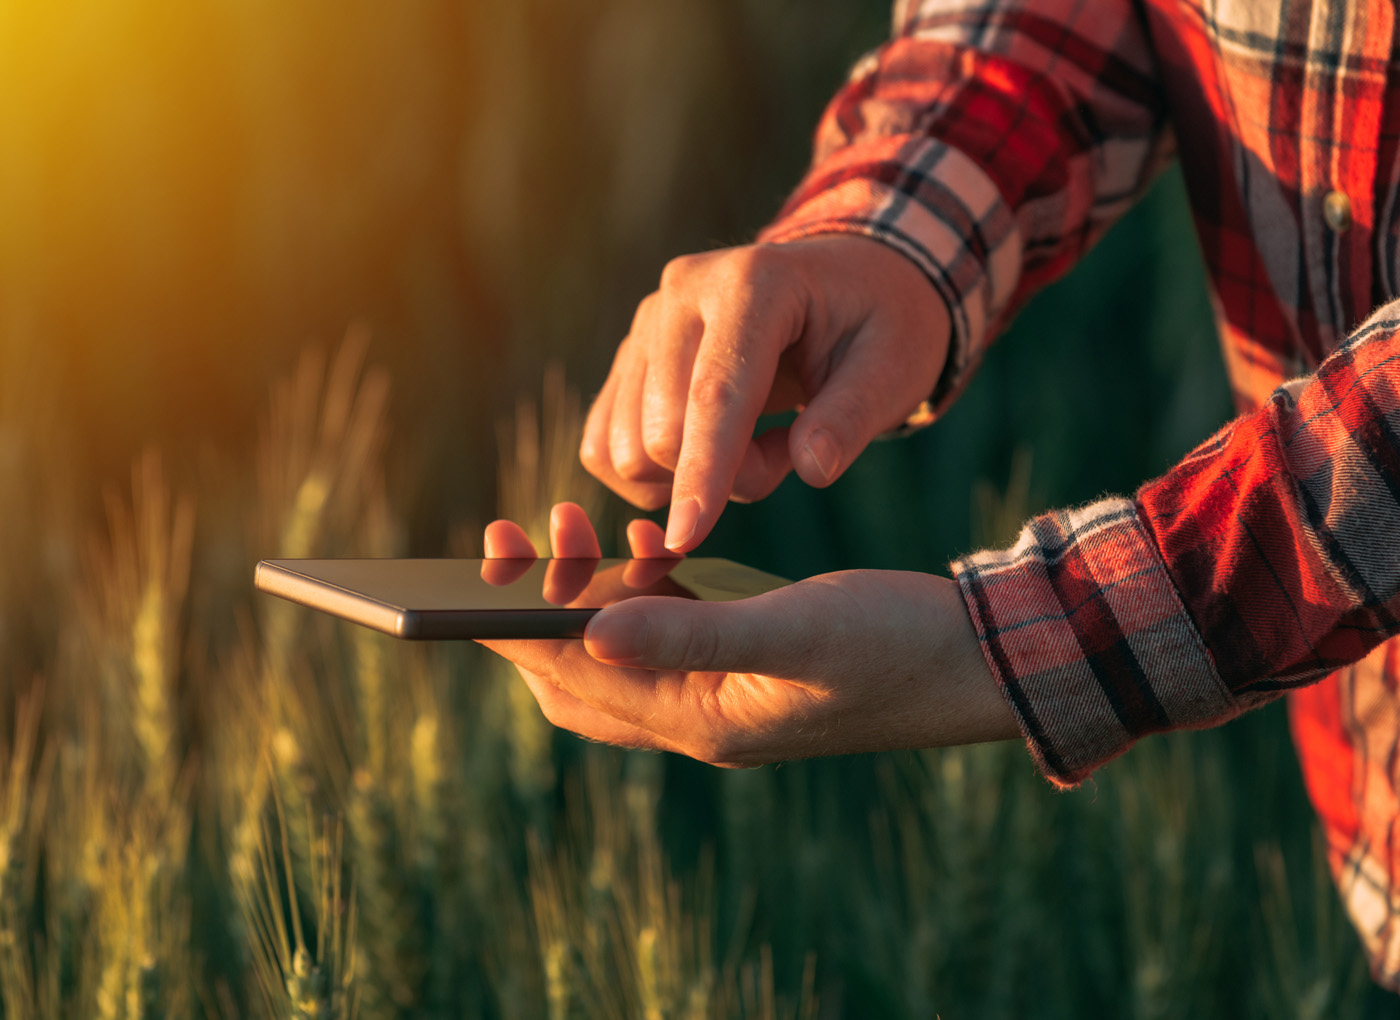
[426, 775]
[298, 797]
[615, 935]
[138, 573]
[391, 937]
[296, 977]
[23, 798]
[319, 450]
[538, 458]
[373, 672]
[318, 468]
[143, 911]
[538, 467]
[241, 738]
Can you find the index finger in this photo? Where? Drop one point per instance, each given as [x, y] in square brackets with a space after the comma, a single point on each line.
[734, 371]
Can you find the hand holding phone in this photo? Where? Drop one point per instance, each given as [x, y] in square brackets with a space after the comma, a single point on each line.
[516, 597]
[860, 660]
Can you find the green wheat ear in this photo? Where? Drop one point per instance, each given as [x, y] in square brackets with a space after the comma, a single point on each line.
[391, 938]
[320, 452]
[319, 471]
[539, 464]
[303, 967]
[23, 793]
[132, 605]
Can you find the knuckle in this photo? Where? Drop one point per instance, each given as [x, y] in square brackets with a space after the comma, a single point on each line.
[716, 389]
[629, 460]
[698, 646]
[678, 270]
[662, 444]
[590, 454]
[631, 468]
[756, 265]
[846, 413]
[646, 311]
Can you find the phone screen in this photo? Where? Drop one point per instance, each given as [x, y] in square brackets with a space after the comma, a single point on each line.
[502, 598]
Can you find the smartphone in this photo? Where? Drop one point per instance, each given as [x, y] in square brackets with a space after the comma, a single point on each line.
[448, 599]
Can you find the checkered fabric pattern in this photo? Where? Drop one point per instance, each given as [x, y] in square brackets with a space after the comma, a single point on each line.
[993, 141]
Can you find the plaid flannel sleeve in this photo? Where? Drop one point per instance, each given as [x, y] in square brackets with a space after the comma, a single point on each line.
[1267, 559]
[991, 141]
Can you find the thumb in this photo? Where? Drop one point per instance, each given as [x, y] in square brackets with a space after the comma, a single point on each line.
[870, 391]
[756, 635]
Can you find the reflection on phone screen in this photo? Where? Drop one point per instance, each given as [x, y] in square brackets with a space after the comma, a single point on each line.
[579, 583]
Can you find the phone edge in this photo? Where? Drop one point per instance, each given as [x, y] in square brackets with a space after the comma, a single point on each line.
[495, 625]
[272, 577]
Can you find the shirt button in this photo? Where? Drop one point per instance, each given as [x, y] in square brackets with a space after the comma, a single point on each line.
[1336, 210]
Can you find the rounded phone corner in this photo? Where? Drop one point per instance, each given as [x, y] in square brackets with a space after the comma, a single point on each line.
[262, 575]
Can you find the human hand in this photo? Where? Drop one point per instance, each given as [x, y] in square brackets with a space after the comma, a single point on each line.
[842, 327]
[861, 660]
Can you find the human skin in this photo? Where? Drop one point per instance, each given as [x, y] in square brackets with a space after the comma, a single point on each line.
[842, 327]
[860, 660]
[851, 334]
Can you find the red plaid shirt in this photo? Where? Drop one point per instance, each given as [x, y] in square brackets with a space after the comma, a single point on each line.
[993, 142]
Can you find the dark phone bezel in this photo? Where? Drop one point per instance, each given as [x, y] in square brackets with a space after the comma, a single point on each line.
[298, 581]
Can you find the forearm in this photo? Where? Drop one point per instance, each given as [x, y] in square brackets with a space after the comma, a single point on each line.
[1263, 561]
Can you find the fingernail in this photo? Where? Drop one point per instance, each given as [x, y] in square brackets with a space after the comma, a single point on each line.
[679, 529]
[821, 450]
[616, 637]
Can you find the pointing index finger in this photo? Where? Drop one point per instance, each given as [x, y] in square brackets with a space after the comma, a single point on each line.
[734, 371]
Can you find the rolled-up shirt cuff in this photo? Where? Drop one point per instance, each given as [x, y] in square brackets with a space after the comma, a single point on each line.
[1088, 639]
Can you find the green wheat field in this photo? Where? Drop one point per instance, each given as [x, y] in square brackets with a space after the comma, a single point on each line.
[337, 278]
[224, 806]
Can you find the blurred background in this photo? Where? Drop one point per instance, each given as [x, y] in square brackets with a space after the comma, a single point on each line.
[191, 193]
[194, 195]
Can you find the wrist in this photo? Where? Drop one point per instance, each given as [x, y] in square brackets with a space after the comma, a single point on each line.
[969, 706]
[928, 673]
